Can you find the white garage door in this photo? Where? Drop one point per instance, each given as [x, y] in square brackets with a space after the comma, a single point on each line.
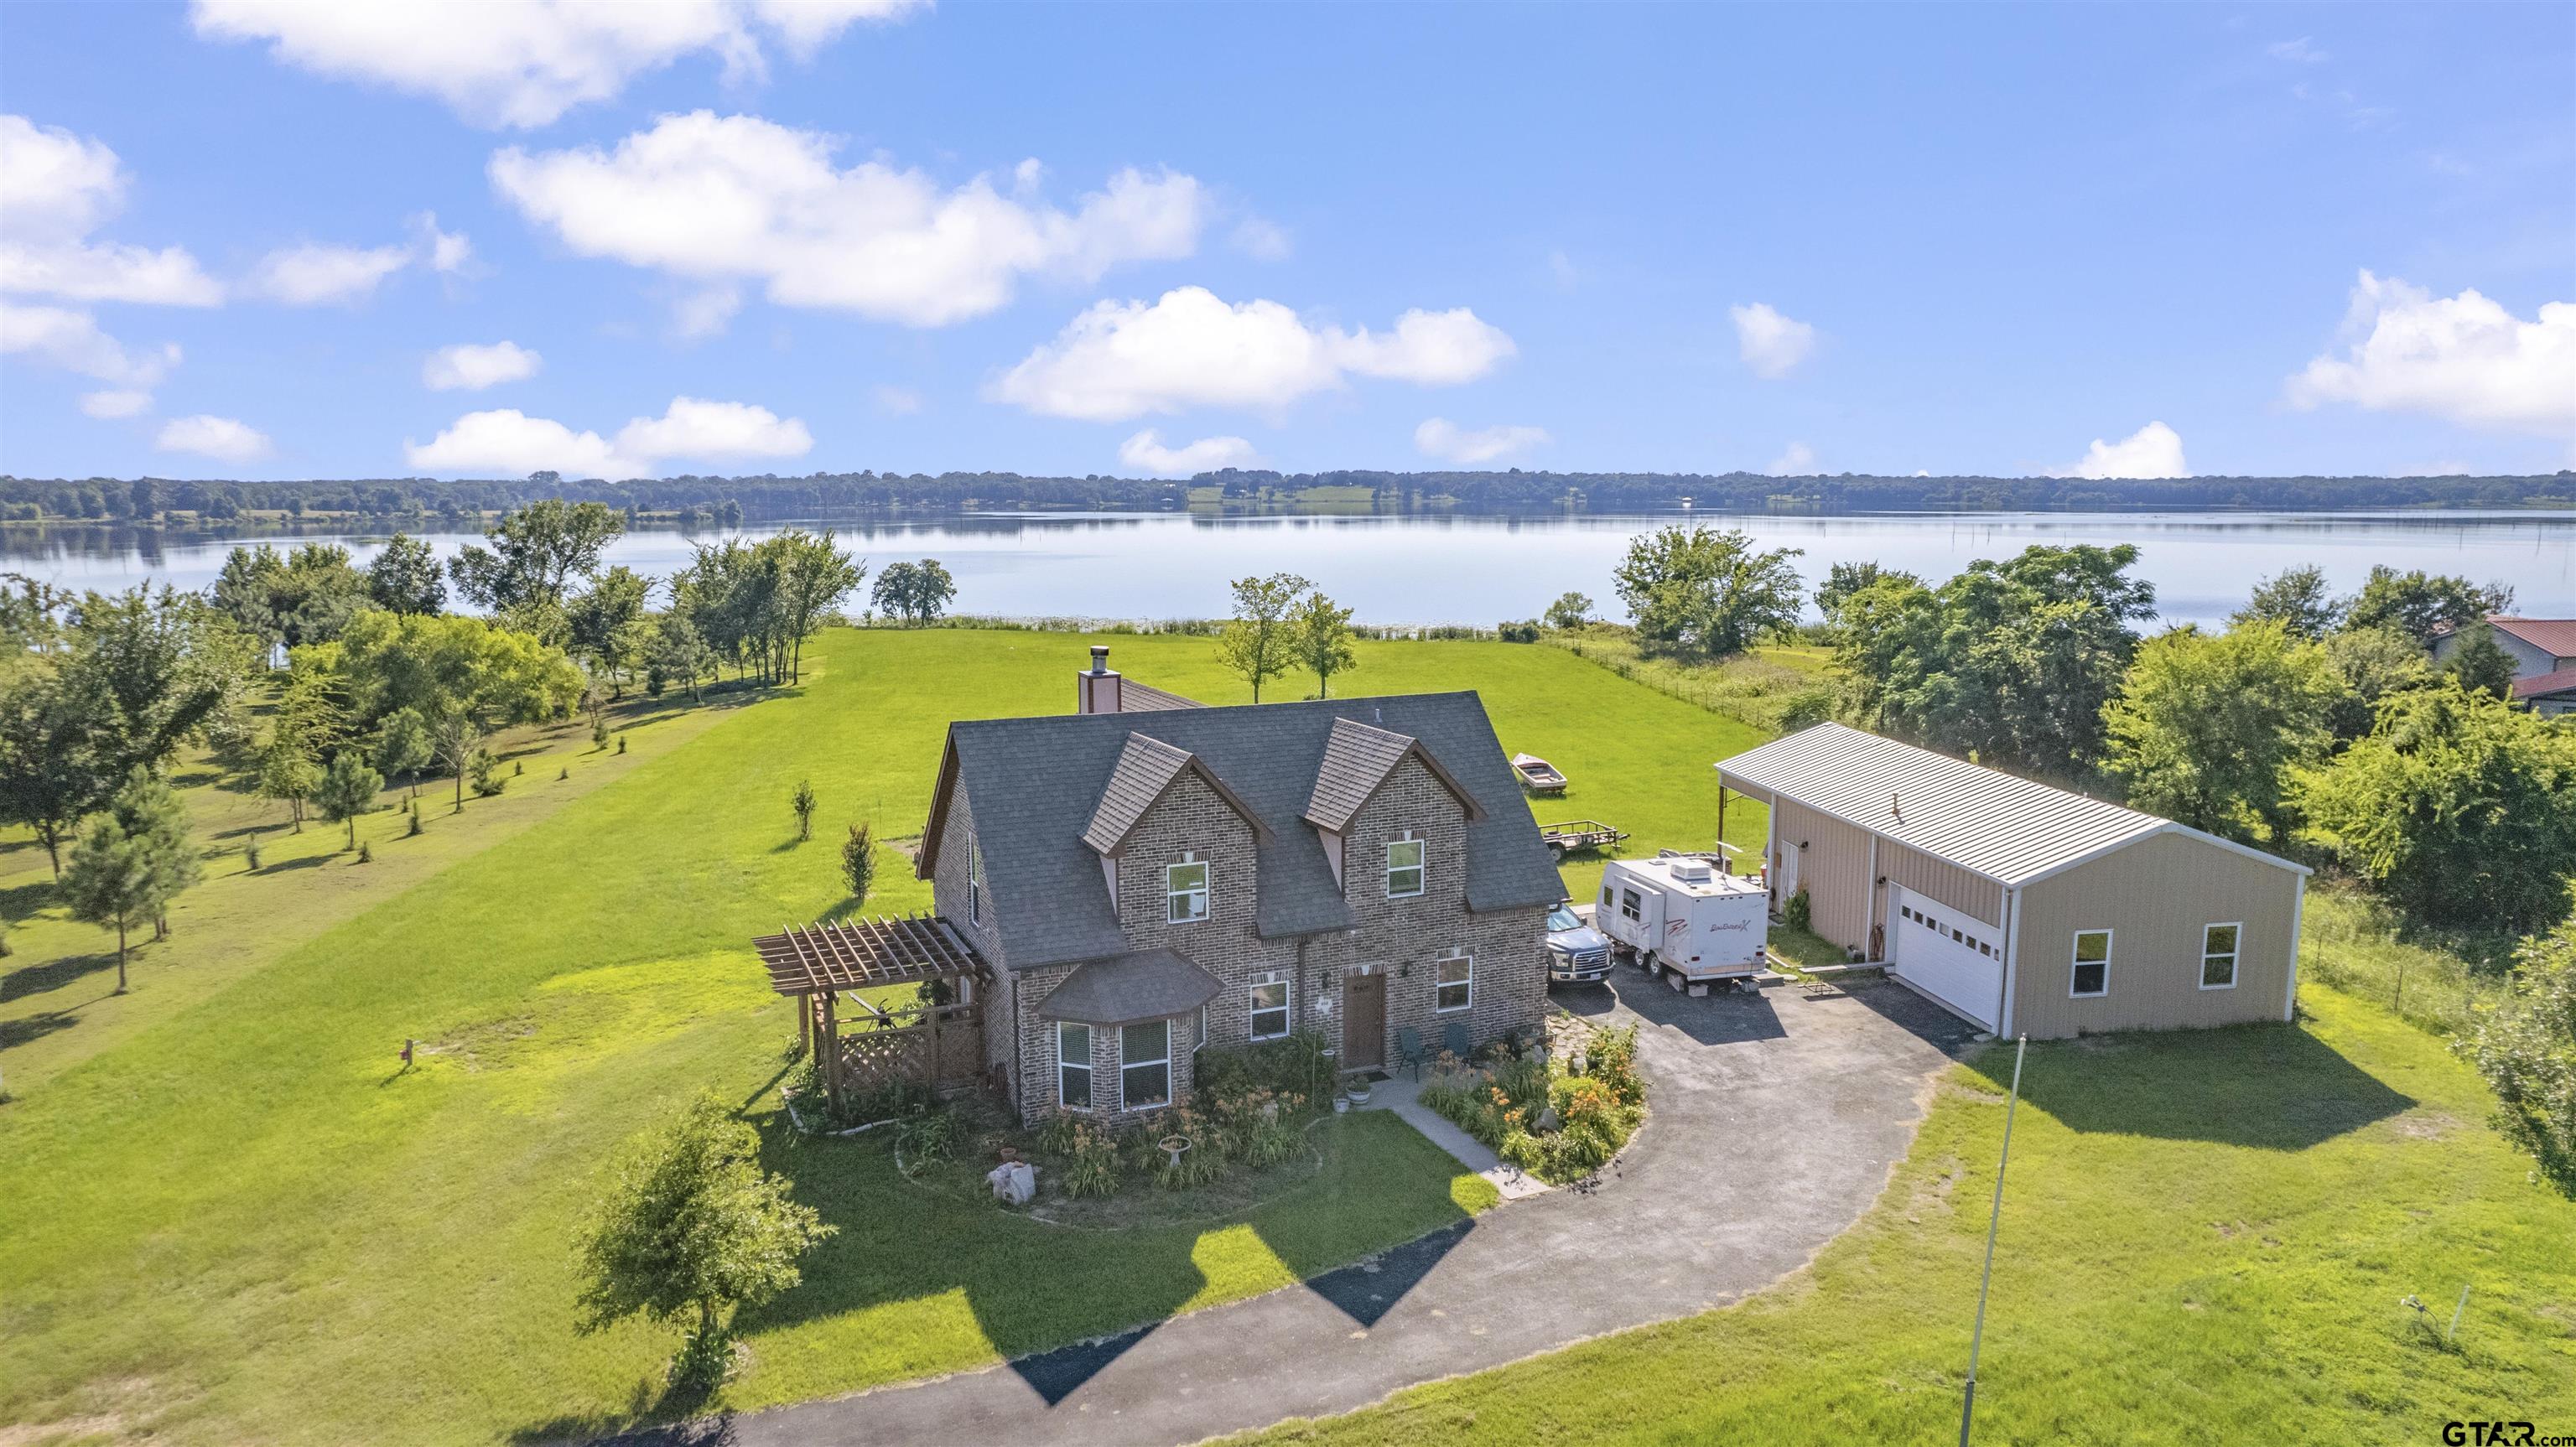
[1948, 955]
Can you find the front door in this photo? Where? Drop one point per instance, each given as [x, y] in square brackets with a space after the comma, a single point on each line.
[1363, 1022]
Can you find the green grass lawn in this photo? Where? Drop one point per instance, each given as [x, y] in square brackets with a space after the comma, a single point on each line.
[231, 1217]
[2206, 1236]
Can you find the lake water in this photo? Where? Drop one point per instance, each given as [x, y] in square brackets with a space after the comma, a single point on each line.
[1482, 569]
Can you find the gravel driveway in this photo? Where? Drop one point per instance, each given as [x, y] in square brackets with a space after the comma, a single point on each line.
[1775, 1120]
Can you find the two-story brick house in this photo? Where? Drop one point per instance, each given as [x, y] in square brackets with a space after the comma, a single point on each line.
[1149, 876]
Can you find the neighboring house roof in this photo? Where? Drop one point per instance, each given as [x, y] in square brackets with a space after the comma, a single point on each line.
[2010, 829]
[2542, 684]
[1146, 768]
[1036, 784]
[1145, 985]
[2553, 636]
[1358, 760]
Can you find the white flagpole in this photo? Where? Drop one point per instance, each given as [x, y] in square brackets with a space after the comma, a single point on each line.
[1968, 1407]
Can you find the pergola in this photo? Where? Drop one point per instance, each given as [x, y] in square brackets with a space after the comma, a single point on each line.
[818, 963]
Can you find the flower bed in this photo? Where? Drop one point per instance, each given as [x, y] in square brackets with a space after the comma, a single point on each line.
[1558, 1117]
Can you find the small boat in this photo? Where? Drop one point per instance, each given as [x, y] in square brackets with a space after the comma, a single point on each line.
[1538, 775]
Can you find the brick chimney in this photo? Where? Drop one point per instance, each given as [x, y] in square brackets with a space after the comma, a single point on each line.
[1098, 689]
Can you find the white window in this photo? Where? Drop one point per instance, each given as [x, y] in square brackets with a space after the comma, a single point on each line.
[2092, 975]
[1631, 904]
[1185, 891]
[1456, 989]
[974, 880]
[1403, 868]
[2218, 956]
[1145, 1064]
[1269, 999]
[1073, 1065]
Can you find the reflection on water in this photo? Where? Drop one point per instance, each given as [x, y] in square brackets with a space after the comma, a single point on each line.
[1478, 568]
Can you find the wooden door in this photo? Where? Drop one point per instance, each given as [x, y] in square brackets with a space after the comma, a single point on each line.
[1363, 1022]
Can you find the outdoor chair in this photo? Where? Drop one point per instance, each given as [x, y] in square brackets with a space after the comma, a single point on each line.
[1408, 1049]
[1454, 1039]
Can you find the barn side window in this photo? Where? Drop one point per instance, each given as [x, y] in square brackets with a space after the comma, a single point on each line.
[2092, 974]
[2218, 956]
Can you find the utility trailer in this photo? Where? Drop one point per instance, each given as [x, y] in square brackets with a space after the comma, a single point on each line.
[1685, 918]
[1569, 835]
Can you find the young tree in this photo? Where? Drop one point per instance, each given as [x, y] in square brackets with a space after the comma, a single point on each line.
[2527, 1051]
[2297, 599]
[802, 801]
[463, 676]
[51, 772]
[2424, 604]
[406, 578]
[149, 812]
[691, 1227]
[288, 775]
[403, 746]
[112, 882]
[1322, 639]
[1259, 641]
[2207, 727]
[246, 592]
[2480, 663]
[814, 575]
[144, 674]
[601, 620]
[348, 789]
[1570, 610]
[316, 594]
[2374, 662]
[859, 861]
[1707, 594]
[677, 654]
[1842, 580]
[2459, 806]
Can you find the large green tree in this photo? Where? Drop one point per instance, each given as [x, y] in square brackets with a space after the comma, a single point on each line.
[2298, 599]
[691, 1229]
[2527, 1051]
[2206, 727]
[535, 554]
[463, 676]
[51, 765]
[1323, 640]
[113, 881]
[2423, 604]
[406, 578]
[2374, 662]
[2459, 806]
[1260, 641]
[1706, 593]
[150, 813]
[914, 592]
[2479, 662]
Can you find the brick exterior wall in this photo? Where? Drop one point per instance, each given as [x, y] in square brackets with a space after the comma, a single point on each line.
[1399, 938]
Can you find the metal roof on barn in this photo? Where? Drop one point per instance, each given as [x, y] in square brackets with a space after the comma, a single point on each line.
[2005, 827]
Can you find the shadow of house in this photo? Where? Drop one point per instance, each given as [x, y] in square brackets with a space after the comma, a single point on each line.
[1919, 1017]
[1367, 1291]
[2271, 1087]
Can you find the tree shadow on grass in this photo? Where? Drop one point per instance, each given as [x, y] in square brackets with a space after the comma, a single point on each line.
[52, 975]
[21, 900]
[2270, 1086]
[31, 1028]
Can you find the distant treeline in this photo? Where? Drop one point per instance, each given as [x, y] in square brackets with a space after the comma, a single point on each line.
[770, 498]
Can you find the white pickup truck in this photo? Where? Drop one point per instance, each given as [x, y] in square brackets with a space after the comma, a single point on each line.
[1684, 915]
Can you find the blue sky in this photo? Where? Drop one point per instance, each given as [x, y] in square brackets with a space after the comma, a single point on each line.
[2218, 239]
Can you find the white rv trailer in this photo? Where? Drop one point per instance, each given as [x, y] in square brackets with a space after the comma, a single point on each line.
[1683, 914]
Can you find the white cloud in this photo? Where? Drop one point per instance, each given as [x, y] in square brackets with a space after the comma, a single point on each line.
[59, 188]
[718, 199]
[446, 252]
[2298, 52]
[1771, 344]
[2461, 358]
[470, 367]
[1439, 437]
[70, 339]
[705, 312]
[2154, 450]
[1119, 360]
[311, 275]
[108, 406]
[1146, 453]
[898, 401]
[1796, 460]
[508, 442]
[1262, 240]
[526, 62]
[220, 438]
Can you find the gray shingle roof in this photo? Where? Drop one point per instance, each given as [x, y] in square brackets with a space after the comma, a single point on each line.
[1036, 784]
[1134, 697]
[2000, 825]
[1357, 758]
[1146, 985]
[1146, 767]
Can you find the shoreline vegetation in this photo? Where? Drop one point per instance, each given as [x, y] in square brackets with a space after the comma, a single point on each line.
[731, 501]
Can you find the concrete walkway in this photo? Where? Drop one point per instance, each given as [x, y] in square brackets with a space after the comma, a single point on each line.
[1402, 1095]
[1775, 1120]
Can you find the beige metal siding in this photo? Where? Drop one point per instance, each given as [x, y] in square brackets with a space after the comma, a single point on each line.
[2155, 896]
[1842, 889]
